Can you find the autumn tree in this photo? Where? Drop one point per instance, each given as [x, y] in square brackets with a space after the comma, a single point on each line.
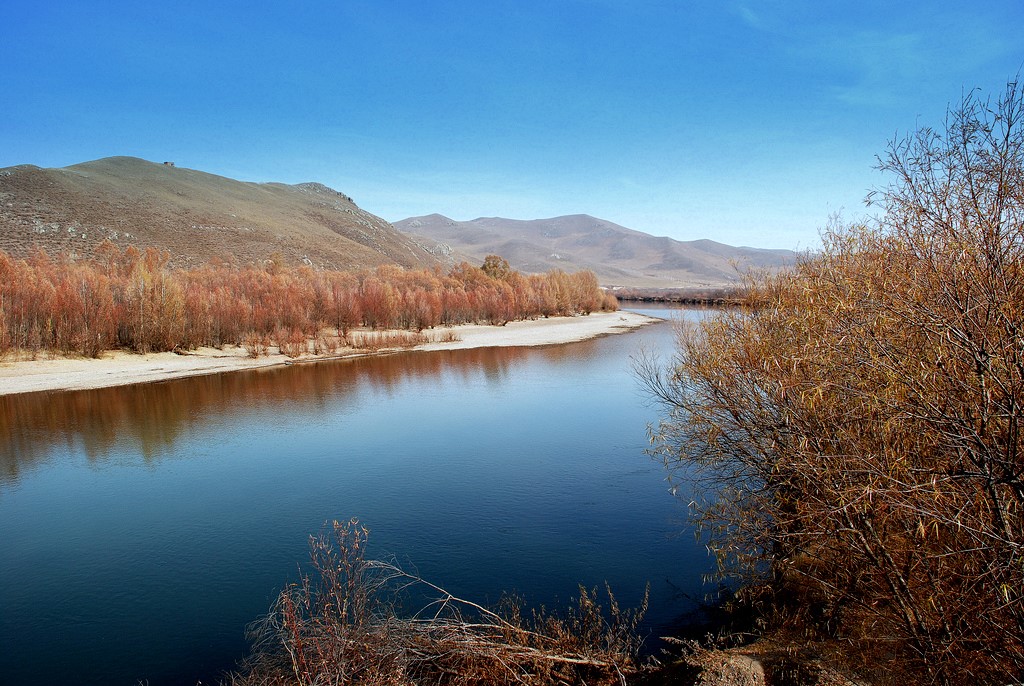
[496, 267]
[379, 303]
[856, 427]
[136, 300]
[86, 309]
[345, 311]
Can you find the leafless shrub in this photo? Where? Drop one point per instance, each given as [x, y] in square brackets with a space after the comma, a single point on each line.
[339, 625]
[292, 343]
[326, 343]
[256, 344]
[857, 426]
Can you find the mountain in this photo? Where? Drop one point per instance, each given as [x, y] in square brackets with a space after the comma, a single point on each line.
[194, 215]
[619, 256]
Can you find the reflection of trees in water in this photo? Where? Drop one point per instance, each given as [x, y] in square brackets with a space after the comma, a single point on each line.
[153, 417]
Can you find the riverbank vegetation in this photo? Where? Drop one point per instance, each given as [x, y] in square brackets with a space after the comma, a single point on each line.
[343, 624]
[715, 297]
[133, 300]
[857, 425]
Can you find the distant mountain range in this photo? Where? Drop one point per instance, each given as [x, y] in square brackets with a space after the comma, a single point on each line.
[619, 256]
[195, 216]
[200, 217]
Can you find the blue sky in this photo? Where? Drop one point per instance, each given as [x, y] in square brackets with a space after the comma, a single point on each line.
[745, 122]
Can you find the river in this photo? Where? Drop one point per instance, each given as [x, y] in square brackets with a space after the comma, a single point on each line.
[144, 527]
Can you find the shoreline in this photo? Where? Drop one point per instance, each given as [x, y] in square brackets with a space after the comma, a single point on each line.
[120, 368]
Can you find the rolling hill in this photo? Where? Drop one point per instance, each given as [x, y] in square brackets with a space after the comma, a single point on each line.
[619, 256]
[199, 217]
[195, 216]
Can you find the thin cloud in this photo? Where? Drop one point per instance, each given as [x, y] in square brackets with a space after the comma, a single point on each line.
[750, 17]
[893, 68]
[882, 66]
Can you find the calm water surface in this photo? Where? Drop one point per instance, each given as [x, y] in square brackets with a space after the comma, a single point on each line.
[143, 527]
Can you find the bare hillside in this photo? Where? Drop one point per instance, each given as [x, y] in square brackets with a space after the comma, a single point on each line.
[195, 216]
[619, 256]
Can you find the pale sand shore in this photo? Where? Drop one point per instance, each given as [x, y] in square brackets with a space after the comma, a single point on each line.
[122, 368]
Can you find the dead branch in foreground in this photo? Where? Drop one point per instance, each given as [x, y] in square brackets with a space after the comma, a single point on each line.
[340, 625]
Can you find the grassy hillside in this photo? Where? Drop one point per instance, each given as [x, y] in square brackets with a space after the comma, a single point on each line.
[195, 216]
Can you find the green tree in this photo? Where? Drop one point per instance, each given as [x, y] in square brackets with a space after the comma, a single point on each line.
[496, 267]
[856, 427]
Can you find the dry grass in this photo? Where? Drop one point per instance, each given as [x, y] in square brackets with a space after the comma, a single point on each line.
[383, 340]
[447, 336]
[339, 625]
[379, 340]
[296, 344]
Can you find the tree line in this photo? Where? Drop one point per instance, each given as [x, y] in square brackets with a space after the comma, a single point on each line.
[856, 426]
[133, 300]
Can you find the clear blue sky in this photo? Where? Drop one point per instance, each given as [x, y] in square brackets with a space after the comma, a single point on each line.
[747, 122]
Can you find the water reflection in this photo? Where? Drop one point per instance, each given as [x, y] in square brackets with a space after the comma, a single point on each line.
[152, 418]
[145, 526]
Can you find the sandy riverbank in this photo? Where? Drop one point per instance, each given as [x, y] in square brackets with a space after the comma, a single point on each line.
[120, 368]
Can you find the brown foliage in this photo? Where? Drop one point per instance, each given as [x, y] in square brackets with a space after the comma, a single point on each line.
[858, 426]
[136, 301]
[339, 625]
